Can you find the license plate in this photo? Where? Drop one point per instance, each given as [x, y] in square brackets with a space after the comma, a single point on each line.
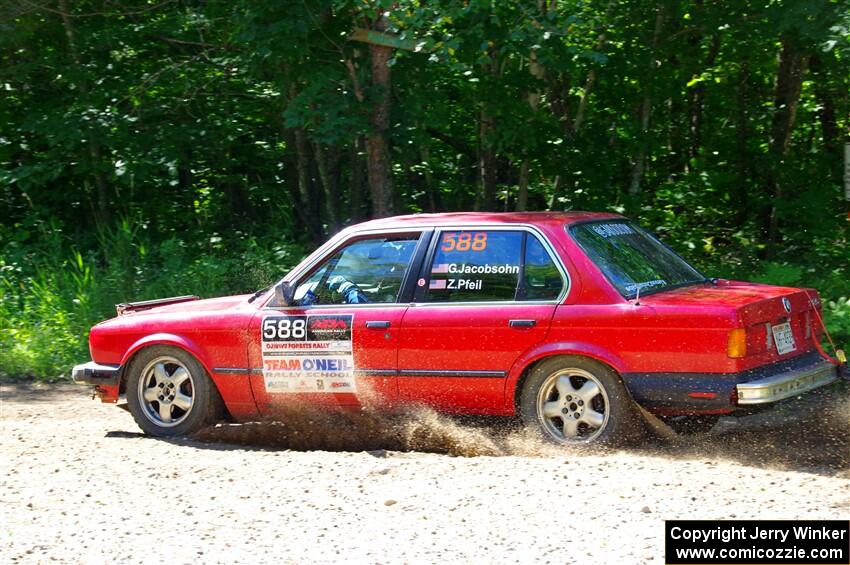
[783, 338]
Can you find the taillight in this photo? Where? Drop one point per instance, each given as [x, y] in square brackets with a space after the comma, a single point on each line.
[737, 346]
[808, 323]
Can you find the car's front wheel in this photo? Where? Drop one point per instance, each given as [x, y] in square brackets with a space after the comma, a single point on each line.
[170, 394]
[574, 400]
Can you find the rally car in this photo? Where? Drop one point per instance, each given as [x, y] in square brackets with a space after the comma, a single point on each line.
[577, 322]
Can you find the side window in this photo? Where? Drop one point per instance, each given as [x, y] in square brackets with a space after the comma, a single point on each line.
[491, 266]
[543, 280]
[475, 266]
[363, 272]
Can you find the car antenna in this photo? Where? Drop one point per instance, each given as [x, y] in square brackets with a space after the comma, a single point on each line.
[637, 296]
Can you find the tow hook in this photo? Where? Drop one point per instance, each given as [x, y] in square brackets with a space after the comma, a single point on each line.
[843, 369]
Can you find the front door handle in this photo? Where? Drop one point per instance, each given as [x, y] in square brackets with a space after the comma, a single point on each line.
[377, 324]
[522, 323]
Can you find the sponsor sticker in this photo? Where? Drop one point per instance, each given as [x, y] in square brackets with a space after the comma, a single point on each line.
[612, 230]
[308, 353]
[648, 284]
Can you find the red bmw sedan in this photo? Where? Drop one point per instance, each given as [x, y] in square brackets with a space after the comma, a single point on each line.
[577, 322]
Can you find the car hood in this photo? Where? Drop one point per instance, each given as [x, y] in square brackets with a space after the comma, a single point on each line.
[190, 305]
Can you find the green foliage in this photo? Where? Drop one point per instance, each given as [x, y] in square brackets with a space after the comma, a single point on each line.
[837, 319]
[157, 148]
[48, 303]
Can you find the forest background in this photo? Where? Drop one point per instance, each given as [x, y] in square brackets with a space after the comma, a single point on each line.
[151, 148]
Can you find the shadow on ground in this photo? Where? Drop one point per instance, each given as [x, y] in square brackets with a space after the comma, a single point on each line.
[27, 391]
[810, 435]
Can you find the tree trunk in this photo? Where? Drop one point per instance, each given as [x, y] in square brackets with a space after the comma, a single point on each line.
[643, 148]
[639, 162]
[290, 170]
[559, 100]
[582, 103]
[377, 145]
[356, 182]
[308, 200]
[697, 100]
[793, 63]
[485, 199]
[826, 101]
[327, 162]
[433, 197]
[522, 193]
[538, 72]
[487, 162]
[94, 157]
[591, 74]
[742, 135]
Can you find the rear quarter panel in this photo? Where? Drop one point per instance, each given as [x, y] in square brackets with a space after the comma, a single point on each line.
[634, 339]
[595, 321]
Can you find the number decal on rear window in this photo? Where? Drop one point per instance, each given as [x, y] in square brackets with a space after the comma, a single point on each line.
[503, 265]
[464, 241]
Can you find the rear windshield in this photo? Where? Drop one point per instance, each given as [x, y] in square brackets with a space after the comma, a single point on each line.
[632, 259]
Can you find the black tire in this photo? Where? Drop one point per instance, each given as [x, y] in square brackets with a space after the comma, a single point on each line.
[160, 364]
[621, 425]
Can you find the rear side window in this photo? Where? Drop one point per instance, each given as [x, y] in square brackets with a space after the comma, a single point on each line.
[542, 279]
[490, 266]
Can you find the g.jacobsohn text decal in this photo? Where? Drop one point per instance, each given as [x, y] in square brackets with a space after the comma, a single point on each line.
[765, 542]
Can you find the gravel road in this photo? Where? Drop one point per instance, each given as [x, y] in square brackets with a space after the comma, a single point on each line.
[81, 484]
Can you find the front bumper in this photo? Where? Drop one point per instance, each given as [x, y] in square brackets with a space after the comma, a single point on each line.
[787, 384]
[92, 373]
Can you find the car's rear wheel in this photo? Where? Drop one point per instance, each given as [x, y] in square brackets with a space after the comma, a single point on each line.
[575, 400]
[170, 394]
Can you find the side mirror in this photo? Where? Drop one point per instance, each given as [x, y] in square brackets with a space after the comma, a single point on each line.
[284, 294]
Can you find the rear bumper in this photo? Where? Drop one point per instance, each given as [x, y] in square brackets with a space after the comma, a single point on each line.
[787, 383]
[92, 373]
[722, 393]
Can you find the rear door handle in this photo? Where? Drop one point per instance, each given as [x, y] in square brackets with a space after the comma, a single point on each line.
[377, 324]
[522, 323]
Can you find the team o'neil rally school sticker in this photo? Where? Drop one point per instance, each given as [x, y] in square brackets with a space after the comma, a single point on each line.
[308, 353]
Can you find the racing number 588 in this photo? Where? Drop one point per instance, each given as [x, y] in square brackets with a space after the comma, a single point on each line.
[464, 241]
[284, 328]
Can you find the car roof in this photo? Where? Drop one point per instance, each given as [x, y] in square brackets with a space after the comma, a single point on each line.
[551, 219]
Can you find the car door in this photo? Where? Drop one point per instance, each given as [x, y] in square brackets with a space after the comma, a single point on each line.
[483, 297]
[337, 345]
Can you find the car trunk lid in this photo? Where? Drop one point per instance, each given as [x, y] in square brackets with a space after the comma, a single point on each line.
[763, 310]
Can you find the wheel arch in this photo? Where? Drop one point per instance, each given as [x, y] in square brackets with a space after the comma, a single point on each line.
[528, 361]
[172, 340]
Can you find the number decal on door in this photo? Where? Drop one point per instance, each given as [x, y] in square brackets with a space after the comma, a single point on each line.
[308, 354]
[285, 328]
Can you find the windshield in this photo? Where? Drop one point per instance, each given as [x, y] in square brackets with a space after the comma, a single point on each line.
[632, 259]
